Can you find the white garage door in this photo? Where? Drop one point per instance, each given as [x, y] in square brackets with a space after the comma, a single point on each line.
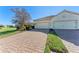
[42, 26]
[64, 25]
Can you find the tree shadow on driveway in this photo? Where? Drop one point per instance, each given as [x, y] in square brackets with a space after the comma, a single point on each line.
[41, 30]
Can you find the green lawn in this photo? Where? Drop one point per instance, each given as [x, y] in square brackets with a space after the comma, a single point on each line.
[7, 31]
[54, 44]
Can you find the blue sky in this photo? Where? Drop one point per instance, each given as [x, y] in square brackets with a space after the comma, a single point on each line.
[35, 11]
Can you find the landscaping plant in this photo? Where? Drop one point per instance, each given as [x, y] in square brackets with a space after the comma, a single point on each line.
[54, 44]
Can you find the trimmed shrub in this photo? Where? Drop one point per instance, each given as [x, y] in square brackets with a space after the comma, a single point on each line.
[28, 27]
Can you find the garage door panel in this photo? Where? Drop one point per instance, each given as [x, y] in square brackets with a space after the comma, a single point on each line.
[42, 26]
[64, 25]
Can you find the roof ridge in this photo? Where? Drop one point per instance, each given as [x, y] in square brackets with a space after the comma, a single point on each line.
[71, 11]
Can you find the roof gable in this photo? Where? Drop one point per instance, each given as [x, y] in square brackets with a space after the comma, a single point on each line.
[75, 13]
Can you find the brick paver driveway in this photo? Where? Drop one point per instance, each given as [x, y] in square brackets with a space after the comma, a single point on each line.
[28, 41]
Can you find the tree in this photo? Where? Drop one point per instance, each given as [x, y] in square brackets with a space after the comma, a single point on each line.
[1, 25]
[11, 26]
[21, 18]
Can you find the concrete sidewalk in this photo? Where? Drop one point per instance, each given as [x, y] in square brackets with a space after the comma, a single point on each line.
[70, 38]
[72, 48]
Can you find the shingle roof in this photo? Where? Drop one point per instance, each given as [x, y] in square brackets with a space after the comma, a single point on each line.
[45, 18]
[50, 17]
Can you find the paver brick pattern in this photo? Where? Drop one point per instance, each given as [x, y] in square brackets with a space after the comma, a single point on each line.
[25, 42]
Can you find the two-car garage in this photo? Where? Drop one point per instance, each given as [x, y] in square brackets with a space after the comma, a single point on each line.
[64, 25]
[42, 26]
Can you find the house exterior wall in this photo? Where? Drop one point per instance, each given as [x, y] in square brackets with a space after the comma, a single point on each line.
[65, 20]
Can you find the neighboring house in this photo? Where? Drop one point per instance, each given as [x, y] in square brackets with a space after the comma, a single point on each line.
[63, 20]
